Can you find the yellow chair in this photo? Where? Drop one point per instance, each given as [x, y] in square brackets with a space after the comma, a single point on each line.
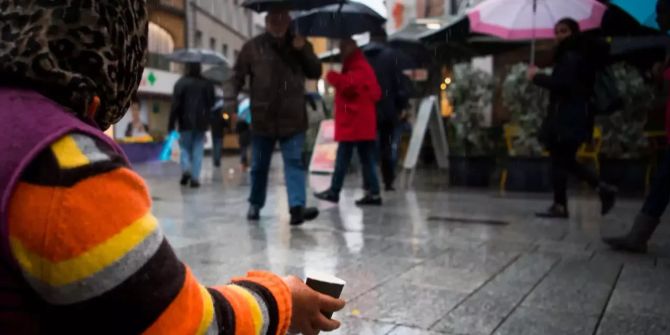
[510, 132]
[591, 151]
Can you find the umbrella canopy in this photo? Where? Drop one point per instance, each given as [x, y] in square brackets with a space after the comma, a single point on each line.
[266, 5]
[218, 74]
[339, 21]
[531, 19]
[197, 56]
[644, 11]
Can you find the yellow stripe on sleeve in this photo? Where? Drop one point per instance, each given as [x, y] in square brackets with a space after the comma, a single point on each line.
[68, 154]
[256, 314]
[207, 311]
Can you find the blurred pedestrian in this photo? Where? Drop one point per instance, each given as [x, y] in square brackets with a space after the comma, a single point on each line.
[569, 121]
[356, 95]
[243, 128]
[218, 128]
[80, 251]
[192, 102]
[277, 63]
[395, 98]
[657, 200]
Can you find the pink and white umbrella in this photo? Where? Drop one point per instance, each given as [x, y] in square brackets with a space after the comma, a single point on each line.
[532, 19]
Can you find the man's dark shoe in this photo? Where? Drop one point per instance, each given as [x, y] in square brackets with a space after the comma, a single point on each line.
[328, 195]
[556, 211]
[636, 240]
[370, 200]
[301, 214]
[390, 188]
[607, 197]
[185, 178]
[195, 184]
[254, 213]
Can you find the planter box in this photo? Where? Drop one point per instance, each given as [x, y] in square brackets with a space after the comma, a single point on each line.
[471, 171]
[142, 152]
[528, 174]
[626, 174]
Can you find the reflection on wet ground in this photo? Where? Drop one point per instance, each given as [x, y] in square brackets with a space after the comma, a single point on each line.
[432, 260]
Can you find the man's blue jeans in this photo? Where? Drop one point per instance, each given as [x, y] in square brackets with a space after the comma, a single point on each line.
[294, 170]
[366, 154]
[192, 145]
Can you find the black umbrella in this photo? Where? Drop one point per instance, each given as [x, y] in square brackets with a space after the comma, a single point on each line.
[218, 74]
[197, 56]
[267, 5]
[338, 21]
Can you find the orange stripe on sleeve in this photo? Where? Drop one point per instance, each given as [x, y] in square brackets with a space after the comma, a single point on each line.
[281, 293]
[244, 323]
[55, 222]
[186, 312]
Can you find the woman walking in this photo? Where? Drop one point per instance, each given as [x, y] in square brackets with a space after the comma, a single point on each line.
[569, 122]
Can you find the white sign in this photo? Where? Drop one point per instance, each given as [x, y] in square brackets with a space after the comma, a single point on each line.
[158, 82]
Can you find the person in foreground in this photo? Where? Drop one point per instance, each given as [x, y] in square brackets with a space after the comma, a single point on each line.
[80, 251]
[569, 121]
[657, 200]
[356, 95]
[276, 64]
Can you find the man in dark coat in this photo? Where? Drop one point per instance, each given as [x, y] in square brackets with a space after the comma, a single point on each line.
[192, 103]
[277, 63]
[395, 98]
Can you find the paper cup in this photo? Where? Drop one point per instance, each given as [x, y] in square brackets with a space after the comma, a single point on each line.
[326, 284]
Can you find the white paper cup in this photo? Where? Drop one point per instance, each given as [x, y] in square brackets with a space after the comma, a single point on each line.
[326, 284]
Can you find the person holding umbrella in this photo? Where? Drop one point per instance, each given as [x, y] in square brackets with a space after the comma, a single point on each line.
[356, 95]
[277, 63]
[569, 121]
[657, 200]
[192, 103]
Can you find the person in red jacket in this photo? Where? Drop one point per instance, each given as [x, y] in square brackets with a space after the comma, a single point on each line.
[357, 93]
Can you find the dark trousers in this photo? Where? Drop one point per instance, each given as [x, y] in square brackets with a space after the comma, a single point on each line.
[386, 134]
[659, 195]
[366, 154]
[564, 162]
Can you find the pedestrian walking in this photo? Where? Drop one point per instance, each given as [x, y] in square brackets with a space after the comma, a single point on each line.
[192, 102]
[243, 128]
[218, 127]
[277, 63]
[395, 98]
[569, 121]
[80, 250]
[649, 217]
[356, 95]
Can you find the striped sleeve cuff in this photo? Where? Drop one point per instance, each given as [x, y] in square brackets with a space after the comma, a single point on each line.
[261, 303]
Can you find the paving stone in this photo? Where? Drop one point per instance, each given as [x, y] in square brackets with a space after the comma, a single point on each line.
[530, 321]
[642, 291]
[478, 315]
[358, 326]
[401, 330]
[629, 324]
[575, 287]
[406, 304]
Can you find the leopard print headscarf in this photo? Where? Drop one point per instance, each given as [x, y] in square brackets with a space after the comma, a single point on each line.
[74, 50]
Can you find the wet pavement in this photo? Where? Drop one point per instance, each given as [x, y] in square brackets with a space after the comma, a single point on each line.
[432, 260]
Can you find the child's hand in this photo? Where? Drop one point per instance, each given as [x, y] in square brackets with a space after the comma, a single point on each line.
[307, 307]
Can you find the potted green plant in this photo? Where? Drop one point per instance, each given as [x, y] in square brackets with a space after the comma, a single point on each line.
[624, 149]
[471, 147]
[526, 166]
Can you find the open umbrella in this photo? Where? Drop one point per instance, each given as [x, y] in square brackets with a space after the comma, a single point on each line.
[532, 19]
[339, 21]
[644, 11]
[218, 74]
[266, 5]
[197, 56]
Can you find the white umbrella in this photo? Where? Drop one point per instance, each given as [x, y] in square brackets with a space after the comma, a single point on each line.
[532, 19]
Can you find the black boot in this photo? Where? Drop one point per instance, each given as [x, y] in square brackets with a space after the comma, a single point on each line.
[185, 178]
[607, 197]
[301, 214]
[195, 183]
[254, 213]
[556, 211]
[370, 200]
[328, 195]
[636, 239]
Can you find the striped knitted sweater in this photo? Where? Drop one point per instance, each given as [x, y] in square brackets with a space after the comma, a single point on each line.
[82, 232]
